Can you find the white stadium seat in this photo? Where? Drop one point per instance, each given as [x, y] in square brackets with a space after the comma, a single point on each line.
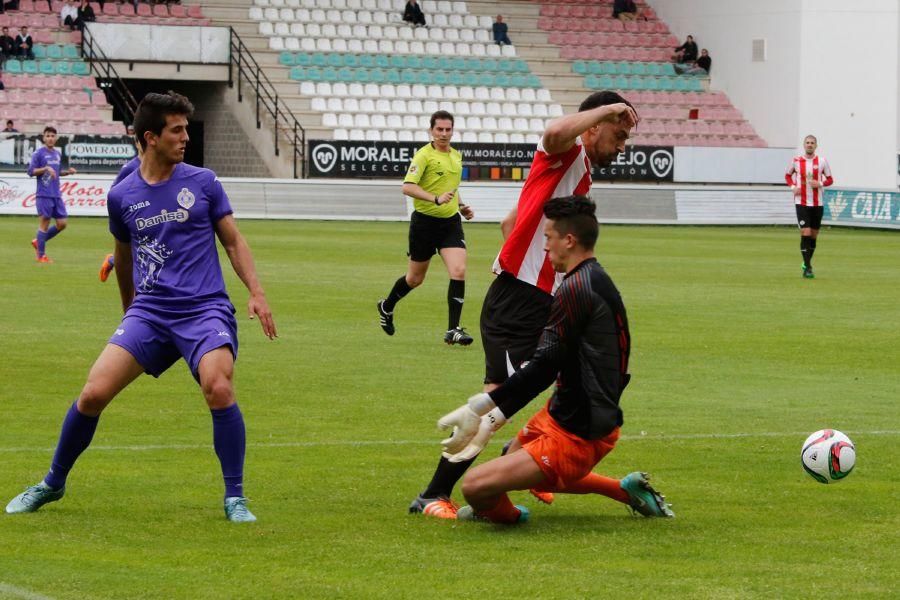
[291, 43]
[466, 93]
[459, 122]
[428, 106]
[556, 110]
[501, 138]
[469, 137]
[270, 14]
[513, 94]
[329, 30]
[389, 135]
[256, 13]
[504, 124]
[507, 50]
[282, 29]
[543, 95]
[341, 134]
[401, 47]
[538, 110]
[334, 104]
[404, 135]
[521, 124]
[485, 138]
[474, 123]
[351, 105]
[329, 120]
[516, 138]
[323, 88]
[489, 123]
[532, 138]
[266, 28]
[298, 30]
[322, 105]
[383, 106]
[357, 135]
[276, 43]
[286, 14]
[410, 122]
[462, 108]
[394, 122]
[398, 107]
[421, 135]
[528, 95]
[451, 92]
[356, 90]
[378, 121]
[307, 88]
[373, 135]
[491, 49]
[339, 45]
[339, 89]
[345, 120]
[387, 90]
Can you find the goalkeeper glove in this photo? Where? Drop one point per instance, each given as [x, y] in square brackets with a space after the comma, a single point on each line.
[465, 422]
[490, 423]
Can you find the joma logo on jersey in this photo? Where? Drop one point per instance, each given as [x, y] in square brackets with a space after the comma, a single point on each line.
[138, 206]
[179, 216]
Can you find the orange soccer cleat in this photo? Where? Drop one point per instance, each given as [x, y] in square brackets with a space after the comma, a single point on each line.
[440, 508]
[106, 268]
[34, 245]
[545, 497]
[44, 259]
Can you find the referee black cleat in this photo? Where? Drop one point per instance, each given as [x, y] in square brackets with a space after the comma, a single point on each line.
[386, 318]
[457, 335]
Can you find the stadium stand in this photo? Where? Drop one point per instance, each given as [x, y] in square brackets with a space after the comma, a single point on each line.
[351, 69]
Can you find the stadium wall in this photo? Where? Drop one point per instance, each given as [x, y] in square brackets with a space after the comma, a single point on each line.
[830, 69]
[353, 200]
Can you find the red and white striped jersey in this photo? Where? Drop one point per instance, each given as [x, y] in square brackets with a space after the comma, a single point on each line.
[804, 170]
[551, 176]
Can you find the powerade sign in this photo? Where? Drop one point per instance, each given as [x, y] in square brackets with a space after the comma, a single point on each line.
[343, 159]
[87, 153]
[860, 207]
[639, 163]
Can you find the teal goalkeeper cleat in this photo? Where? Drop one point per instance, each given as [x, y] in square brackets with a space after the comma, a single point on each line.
[643, 498]
[467, 513]
[33, 498]
[236, 510]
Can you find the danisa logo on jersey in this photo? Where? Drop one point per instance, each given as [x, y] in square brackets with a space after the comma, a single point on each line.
[185, 199]
[640, 163]
[847, 206]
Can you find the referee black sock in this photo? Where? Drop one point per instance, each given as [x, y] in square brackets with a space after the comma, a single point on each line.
[812, 249]
[805, 249]
[400, 289]
[456, 295]
[445, 477]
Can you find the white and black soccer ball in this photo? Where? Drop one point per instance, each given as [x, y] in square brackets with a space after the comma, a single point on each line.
[828, 456]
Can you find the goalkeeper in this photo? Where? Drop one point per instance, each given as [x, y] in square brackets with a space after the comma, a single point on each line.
[585, 347]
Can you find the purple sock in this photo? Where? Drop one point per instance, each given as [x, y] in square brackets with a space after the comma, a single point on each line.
[51, 233]
[230, 440]
[42, 241]
[76, 435]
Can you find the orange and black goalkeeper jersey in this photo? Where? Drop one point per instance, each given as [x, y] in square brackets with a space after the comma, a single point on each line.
[585, 346]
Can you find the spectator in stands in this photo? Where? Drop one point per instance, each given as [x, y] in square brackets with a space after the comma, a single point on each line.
[700, 67]
[10, 128]
[24, 44]
[413, 14]
[2, 85]
[626, 10]
[68, 16]
[9, 5]
[7, 45]
[687, 52]
[85, 14]
[500, 28]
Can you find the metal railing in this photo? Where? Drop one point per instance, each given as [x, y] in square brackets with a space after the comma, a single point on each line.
[246, 69]
[117, 93]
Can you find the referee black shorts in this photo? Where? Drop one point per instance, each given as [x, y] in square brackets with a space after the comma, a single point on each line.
[809, 216]
[512, 317]
[428, 235]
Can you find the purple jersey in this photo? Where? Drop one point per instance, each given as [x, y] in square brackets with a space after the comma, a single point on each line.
[127, 169]
[47, 186]
[170, 226]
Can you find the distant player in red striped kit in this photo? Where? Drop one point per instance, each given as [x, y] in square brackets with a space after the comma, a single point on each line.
[517, 305]
[808, 175]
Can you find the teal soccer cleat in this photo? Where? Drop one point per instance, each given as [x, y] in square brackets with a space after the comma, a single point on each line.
[643, 498]
[236, 510]
[33, 498]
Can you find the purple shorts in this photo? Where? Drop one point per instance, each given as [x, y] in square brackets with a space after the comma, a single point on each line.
[51, 208]
[158, 339]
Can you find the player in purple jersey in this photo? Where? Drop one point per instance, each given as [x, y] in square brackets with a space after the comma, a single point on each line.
[127, 169]
[45, 167]
[165, 218]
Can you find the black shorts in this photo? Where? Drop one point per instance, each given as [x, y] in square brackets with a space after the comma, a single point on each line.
[512, 317]
[428, 235]
[809, 216]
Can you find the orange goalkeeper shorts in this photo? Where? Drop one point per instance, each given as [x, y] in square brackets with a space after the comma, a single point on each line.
[563, 456]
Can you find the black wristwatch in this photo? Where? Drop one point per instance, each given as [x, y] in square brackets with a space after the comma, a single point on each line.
[436, 198]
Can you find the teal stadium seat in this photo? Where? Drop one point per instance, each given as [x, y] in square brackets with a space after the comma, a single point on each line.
[486, 79]
[382, 61]
[471, 79]
[456, 78]
[591, 82]
[639, 68]
[505, 65]
[409, 76]
[13, 65]
[351, 60]
[666, 84]
[426, 77]
[345, 75]
[533, 81]
[414, 62]
[667, 69]
[430, 62]
[71, 52]
[490, 65]
[459, 64]
[64, 67]
[398, 61]
[595, 67]
[504, 80]
[605, 82]
[652, 69]
[377, 75]
[521, 66]
[329, 74]
[286, 59]
[303, 59]
[392, 76]
[297, 73]
[621, 83]
[623, 67]
[439, 77]
[580, 67]
[318, 59]
[39, 51]
[444, 63]
[54, 51]
[47, 67]
[334, 60]
[475, 64]
[367, 60]
[313, 74]
[30, 67]
[651, 83]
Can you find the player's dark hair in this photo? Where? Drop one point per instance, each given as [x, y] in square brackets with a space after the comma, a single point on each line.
[441, 115]
[603, 98]
[9, 121]
[49, 128]
[574, 215]
[151, 113]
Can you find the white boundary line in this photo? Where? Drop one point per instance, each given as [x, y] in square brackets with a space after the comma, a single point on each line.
[352, 443]
[17, 592]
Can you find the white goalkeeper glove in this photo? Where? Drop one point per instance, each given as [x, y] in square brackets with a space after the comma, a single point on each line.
[490, 423]
[465, 422]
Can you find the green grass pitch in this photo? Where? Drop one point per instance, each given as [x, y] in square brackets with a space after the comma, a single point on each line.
[736, 359]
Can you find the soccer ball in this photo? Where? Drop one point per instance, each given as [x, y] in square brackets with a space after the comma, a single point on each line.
[828, 455]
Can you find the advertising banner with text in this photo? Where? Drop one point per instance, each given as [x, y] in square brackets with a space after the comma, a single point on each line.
[83, 195]
[87, 153]
[852, 207]
[349, 159]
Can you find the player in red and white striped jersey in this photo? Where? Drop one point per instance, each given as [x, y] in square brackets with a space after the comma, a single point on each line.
[517, 305]
[808, 175]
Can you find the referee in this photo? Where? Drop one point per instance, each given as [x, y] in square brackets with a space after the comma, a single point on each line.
[432, 181]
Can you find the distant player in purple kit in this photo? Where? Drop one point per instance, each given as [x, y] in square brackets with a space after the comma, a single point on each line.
[127, 169]
[165, 218]
[45, 167]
